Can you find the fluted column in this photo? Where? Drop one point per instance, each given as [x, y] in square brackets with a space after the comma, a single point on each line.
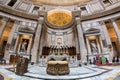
[35, 49]
[83, 50]
[10, 38]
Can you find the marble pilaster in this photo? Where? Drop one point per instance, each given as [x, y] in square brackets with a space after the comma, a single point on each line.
[16, 43]
[35, 49]
[101, 44]
[98, 45]
[83, 50]
[29, 45]
[88, 46]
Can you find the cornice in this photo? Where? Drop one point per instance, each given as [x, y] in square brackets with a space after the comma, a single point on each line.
[101, 14]
[18, 13]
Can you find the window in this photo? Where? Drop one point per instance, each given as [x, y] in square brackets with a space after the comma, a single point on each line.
[84, 10]
[12, 2]
[106, 2]
[35, 10]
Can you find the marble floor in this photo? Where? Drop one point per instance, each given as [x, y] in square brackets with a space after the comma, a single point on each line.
[89, 72]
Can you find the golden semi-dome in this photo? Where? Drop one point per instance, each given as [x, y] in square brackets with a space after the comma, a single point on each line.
[59, 17]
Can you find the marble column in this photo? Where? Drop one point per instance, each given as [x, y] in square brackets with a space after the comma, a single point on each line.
[76, 42]
[10, 38]
[83, 50]
[117, 33]
[35, 49]
[108, 40]
[42, 41]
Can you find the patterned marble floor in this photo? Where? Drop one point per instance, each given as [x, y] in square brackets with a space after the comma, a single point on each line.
[75, 73]
[90, 72]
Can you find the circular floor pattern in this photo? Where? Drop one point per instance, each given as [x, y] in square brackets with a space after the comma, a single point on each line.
[35, 71]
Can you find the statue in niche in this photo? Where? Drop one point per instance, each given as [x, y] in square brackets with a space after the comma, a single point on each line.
[24, 45]
[93, 45]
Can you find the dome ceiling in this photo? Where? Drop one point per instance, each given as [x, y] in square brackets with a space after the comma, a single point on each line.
[59, 2]
[59, 18]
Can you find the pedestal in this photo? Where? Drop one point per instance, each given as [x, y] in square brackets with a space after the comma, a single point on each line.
[57, 67]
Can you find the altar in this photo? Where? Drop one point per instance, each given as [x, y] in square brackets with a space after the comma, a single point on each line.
[57, 67]
[58, 57]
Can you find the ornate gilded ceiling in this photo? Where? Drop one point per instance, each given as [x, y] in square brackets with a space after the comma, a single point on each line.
[59, 2]
[59, 18]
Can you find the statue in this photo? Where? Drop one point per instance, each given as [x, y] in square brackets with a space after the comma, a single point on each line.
[93, 47]
[24, 46]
